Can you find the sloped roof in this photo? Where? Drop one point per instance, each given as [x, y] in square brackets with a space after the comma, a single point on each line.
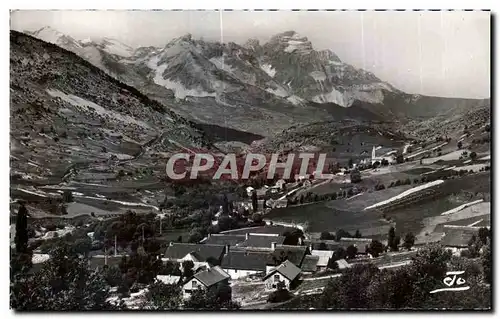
[287, 269]
[294, 254]
[225, 239]
[310, 263]
[255, 240]
[201, 251]
[242, 260]
[212, 276]
[268, 229]
[457, 237]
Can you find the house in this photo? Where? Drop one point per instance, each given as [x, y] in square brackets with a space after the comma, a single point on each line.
[323, 258]
[286, 272]
[389, 155]
[168, 279]
[361, 244]
[262, 240]
[456, 239]
[280, 184]
[310, 264]
[250, 190]
[343, 264]
[199, 254]
[224, 239]
[240, 264]
[294, 254]
[207, 280]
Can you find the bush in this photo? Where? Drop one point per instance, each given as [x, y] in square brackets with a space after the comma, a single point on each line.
[279, 296]
[67, 196]
[51, 227]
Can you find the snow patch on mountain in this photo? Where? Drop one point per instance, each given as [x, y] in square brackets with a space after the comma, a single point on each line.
[318, 75]
[180, 91]
[82, 103]
[334, 96]
[268, 68]
[115, 47]
[281, 92]
[295, 100]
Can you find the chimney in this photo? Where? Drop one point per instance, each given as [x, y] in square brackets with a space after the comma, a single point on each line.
[273, 246]
[246, 236]
[226, 249]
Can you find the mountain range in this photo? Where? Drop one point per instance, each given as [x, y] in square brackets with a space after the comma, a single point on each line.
[257, 88]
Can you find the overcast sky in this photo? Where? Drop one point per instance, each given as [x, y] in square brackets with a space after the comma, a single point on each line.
[433, 53]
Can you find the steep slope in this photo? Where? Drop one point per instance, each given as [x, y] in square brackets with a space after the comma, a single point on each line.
[70, 120]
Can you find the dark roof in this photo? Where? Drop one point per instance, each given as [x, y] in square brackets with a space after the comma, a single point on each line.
[212, 276]
[268, 229]
[225, 239]
[287, 269]
[310, 263]
[203, 251]
[457, 237]
[264, 241]
[361, 244]
[294, 254]
[245, 260]
[330, 244]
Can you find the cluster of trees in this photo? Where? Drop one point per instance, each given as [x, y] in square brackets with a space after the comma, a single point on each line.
[309, 197]
[367, 287]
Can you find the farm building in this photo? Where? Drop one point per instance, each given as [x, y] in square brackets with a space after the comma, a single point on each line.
[207, 279]
[287, 273]
[240, 264]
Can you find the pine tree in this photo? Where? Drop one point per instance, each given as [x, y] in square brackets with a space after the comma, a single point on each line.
[254, 201]
[21, 238]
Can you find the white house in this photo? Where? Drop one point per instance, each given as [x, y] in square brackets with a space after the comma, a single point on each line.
[250, 190]
[241, 264]
[287, 273]
[324, 257]
[207, 279]
[280, 183]
[389, 156]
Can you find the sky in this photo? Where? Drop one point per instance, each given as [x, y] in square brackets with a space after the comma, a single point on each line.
[443, 53]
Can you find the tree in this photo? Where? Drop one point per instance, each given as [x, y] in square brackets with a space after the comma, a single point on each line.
[225, 205]
[187, 269]
[376, 248]
[487, 128]
[357, 234]
[322, 246]
[82, 246]
[400, 159]
[459, 145]
[257, 218]
[254, 201]
[326, 236]
[486, 262]
[351, 251]
[162, 296]
[355, 176]
[214, 299]
[409, 241]
[390, 237]
[67, 196]
[473, 155]
[350, 164]
[65, 283]
[384, 162]
[292, 237]
[483, 235]
[21, 237]
[342, 233]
